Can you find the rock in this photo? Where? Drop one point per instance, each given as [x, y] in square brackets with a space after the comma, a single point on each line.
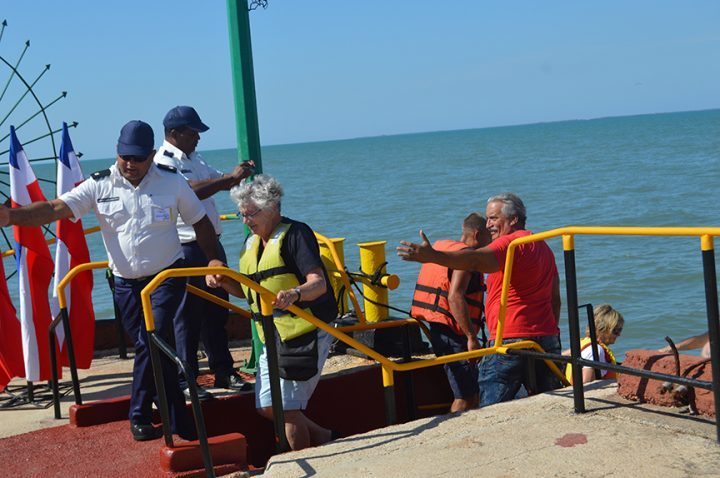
[647, 390]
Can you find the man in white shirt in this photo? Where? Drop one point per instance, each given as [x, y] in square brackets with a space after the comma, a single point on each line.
[200, 318]
[137, 203]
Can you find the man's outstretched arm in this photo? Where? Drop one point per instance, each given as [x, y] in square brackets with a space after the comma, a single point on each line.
[35, 214]
[479, 260]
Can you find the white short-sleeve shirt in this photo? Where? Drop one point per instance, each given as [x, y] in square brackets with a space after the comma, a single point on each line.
[587, 354]
[138, 224]
[192, 168]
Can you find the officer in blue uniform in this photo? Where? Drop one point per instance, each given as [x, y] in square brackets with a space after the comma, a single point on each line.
[137, 203]
[200, 318]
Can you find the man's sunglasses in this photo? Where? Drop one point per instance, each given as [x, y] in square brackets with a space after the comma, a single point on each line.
[134, 159]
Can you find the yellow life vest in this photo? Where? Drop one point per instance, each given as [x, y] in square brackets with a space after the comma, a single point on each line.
[585, 343]
[271, 272]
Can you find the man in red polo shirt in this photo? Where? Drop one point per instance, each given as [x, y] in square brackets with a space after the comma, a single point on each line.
[533, 309]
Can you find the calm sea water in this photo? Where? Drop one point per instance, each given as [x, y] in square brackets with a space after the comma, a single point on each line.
[649, 170]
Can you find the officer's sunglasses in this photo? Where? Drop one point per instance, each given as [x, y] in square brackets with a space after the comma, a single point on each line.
[134, 159]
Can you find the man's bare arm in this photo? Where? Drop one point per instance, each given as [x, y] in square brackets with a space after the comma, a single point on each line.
[35, 214]
[459, 307]
[204, 188]
[556, 300]
[479, 260]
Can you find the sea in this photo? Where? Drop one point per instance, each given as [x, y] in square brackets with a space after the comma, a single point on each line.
[645, 170]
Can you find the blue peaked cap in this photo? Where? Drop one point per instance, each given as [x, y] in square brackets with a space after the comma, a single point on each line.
[184, 116]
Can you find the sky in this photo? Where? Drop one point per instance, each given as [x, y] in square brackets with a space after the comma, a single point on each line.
[332, 69]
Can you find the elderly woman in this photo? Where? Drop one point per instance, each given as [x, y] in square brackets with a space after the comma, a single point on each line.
[608, 327]
[283, 256]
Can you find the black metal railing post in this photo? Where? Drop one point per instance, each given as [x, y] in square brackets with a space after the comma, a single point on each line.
[160, 386]
[54, 367]
[593, 336]
[711, 301]
[119, 329]
[573, 316]
[409, 386]
[194, 403]
[71, 355]
[389, 396]
[268, 325]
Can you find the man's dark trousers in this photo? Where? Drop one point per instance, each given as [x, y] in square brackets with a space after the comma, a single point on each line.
[165, 302]
[201, 319]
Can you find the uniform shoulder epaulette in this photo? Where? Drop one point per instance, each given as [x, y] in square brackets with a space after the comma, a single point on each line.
[169, 154]
[98, 175]
[165, 167]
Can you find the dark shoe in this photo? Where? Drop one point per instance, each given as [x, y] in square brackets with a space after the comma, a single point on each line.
[201, 392]
[232, 382]
[144, 432]
[188, 435]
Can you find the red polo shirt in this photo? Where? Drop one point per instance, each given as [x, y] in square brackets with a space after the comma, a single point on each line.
[529, 310]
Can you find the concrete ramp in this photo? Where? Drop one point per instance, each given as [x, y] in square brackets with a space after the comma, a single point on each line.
[536, 436]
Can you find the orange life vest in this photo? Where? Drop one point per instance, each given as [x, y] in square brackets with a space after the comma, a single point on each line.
[430, 301]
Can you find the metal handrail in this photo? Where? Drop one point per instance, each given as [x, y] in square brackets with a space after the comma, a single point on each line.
[90, 230]
[388, 366]
[63, 317]
[705, 234]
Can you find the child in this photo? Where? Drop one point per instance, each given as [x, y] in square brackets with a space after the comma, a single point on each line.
[608, 327]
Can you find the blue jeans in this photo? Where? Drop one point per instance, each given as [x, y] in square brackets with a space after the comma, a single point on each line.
[463, 375]
[502, 375]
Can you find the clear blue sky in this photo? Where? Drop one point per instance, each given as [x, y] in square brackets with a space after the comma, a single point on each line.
[331, 69]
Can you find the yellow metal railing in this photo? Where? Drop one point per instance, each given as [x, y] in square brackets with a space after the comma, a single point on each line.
[568, 233]
[62, 300]
[267, 297]
[51, 241]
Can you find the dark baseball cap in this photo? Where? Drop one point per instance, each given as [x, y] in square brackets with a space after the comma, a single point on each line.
[184, 116]
[136, 139]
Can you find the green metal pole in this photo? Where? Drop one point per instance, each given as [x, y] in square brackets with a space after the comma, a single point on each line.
[246, 118]
[248, 132]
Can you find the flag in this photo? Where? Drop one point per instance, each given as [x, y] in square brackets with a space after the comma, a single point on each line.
[11, 353]
[70, 251]
[34, 266]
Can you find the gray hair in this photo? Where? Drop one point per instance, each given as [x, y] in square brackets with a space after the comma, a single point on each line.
[512, 206]
[264, 191]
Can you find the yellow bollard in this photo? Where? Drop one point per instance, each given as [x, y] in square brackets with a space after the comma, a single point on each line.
[327, 258]
[372, 254]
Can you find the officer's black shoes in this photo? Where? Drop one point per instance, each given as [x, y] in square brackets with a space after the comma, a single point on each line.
[145, 431]
[189, 435]
[232, 381]
[202, 394]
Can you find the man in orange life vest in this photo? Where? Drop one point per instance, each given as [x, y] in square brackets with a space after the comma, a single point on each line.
[533, 309]
[452, 301]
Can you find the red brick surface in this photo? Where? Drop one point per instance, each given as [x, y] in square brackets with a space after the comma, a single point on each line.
[651, 391]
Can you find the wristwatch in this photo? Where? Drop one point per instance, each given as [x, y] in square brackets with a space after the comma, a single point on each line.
[297, 291]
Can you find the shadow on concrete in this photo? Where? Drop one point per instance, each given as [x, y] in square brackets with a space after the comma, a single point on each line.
[390, 437]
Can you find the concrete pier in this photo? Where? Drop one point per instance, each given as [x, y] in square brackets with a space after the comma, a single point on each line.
[536, 436]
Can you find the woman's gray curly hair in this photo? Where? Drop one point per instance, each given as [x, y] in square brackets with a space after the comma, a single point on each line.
[263, 191]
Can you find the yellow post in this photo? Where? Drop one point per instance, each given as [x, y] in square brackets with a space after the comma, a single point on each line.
[327, 258]
[372, 254]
